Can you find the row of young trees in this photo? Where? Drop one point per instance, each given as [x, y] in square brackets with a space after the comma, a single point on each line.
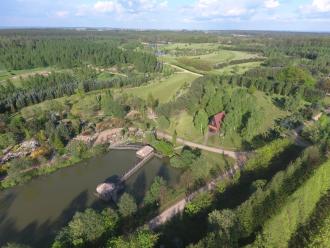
[234, 227]
[39, 88]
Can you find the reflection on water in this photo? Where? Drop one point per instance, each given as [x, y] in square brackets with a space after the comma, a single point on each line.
[34, 212]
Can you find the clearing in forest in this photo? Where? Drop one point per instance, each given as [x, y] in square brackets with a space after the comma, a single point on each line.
[165, 89]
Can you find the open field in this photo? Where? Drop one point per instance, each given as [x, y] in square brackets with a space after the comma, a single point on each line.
[16, 74]
[237, 69]
[173, 46]
[210, 57]
[163, 90]
[85, 106]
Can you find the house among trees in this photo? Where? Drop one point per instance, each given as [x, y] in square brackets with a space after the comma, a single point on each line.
[216, 121]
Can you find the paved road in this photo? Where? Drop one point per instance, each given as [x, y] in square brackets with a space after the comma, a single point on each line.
[232, 154]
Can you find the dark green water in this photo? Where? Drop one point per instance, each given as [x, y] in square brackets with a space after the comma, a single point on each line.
[34, 212]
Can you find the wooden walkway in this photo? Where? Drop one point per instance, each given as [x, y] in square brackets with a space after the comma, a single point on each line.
[139, 165]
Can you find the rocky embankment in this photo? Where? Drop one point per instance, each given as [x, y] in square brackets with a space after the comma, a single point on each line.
[24, 149]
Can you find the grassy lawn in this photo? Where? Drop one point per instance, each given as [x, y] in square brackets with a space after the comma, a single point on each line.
[222, 56]
[220, 161]
[326, 100]
[184, 126]
[104, 76]
[163, 90]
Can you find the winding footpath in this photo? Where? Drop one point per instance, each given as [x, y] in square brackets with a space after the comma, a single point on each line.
[179, 206]
[230, 153]
[240, 158]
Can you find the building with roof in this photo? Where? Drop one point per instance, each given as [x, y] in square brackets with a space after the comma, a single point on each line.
[216, 121]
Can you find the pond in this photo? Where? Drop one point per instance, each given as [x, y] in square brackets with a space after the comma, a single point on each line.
[32, 213]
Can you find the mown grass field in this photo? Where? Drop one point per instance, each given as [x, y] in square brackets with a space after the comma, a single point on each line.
[174, 46]
[163, 90]
[237, 69]
[205, 63]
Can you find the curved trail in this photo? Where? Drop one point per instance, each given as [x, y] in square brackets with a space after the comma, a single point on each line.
[230, 153]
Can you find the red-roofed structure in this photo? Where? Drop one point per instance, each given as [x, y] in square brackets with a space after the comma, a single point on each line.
[216, 121]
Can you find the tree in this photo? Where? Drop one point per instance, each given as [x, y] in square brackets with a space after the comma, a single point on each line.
[201, 203]
[226, 227]
[112, 107]
[174, 137]
[86, 228]
[151, 101]
[140, 239]
[201, 120]
[127, 205]
[157, 188]
[164, 122]
[78, 149]
[15, 245]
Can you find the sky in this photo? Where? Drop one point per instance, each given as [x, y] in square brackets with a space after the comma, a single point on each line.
[291, 15]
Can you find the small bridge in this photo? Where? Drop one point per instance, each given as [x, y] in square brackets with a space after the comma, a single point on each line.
[107, 190]
[139, 165]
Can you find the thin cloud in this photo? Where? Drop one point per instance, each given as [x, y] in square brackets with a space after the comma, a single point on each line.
[316, 6]
[271, 4]
[62, 13]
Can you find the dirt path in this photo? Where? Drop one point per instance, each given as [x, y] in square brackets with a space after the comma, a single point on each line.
[232, 154]
[183, 70]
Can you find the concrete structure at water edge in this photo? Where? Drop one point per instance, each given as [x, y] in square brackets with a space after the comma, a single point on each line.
[144, 152]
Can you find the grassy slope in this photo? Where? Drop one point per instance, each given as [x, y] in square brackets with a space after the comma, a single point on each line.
[183, 124]
[298, 208]
[86, 106]
[164, 90]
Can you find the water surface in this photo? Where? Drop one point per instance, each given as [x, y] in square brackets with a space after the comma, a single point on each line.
[32, 213]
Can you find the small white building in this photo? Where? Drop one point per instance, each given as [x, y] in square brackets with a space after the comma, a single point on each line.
[144, 152]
